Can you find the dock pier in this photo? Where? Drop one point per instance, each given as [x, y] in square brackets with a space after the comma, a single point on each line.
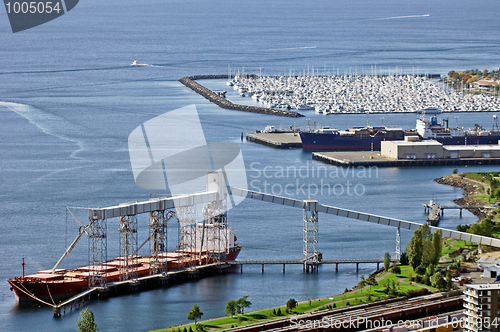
[284, 140]
[309, 267]
[369, 159]
[436, 211]
[143, 283]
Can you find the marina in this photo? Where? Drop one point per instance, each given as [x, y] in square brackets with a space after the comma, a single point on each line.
[340, 94]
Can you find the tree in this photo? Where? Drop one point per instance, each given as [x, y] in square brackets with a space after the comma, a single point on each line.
[371, 281]
[242, 304]
[404, 258]
[420, 270]
[362, 282]
[486, 227]
[291, 304]
[86, 322]
[195, 313]
[231, 308]
[396, 270]
[416, 248]
[278, 312]
[387, 261]
[437, 245]
[438, 281]
[448, 280]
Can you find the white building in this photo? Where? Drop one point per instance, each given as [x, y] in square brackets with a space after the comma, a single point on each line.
[481, 307]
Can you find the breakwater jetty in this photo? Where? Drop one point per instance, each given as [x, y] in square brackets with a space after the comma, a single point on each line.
[189, 81]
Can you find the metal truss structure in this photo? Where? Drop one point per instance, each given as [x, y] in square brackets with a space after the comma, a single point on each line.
[310, 235]
[128, 247]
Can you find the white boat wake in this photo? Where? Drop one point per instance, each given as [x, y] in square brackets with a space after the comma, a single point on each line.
[135, 63]
[397, 17]
[49, 124]
[291, 48]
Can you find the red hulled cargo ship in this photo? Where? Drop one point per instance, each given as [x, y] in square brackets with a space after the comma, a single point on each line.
[200, 245]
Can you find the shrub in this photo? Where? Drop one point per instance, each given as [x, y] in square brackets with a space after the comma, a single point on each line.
[419, 292]
[396, 270]
[420, 270]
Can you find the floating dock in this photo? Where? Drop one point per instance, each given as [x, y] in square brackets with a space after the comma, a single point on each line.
[286, 140]
[367, 158]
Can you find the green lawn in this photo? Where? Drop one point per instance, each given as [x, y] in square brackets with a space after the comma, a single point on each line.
[448, 247]
[352, 297]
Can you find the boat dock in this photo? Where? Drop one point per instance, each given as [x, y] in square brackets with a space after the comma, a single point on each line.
[280, 140]
[368, 158]
[436, 211]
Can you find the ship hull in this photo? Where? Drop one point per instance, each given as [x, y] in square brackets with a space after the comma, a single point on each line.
[50, 292]
[471, 140]
[55, 291]
[328, 142]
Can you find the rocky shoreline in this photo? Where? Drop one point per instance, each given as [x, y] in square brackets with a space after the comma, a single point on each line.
[224, 103]
[470, 188]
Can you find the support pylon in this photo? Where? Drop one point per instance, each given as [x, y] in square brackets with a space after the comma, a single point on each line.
[97, 250]
[398, 245]
[128, 245]
[310, 235]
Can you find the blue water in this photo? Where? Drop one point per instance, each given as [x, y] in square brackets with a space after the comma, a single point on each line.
[70, 98]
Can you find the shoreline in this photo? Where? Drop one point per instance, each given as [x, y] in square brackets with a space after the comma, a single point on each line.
[471, 189]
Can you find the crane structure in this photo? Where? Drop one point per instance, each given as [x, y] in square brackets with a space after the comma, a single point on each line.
[193, 236]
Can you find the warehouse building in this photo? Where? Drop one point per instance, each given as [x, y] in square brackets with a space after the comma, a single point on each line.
[431, 149]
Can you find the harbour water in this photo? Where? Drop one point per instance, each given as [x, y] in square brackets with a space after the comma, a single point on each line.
[70, 97]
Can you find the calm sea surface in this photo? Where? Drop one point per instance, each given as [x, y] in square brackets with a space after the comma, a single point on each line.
[69, 98]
